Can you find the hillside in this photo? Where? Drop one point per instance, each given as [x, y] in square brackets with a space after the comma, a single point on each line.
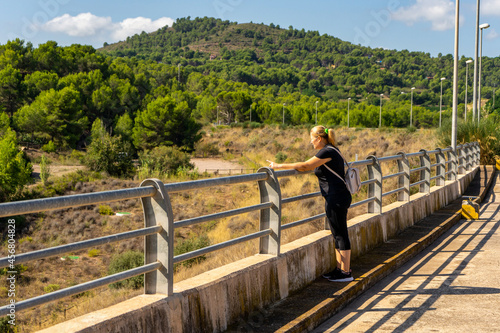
[311, 63]
[160, 88]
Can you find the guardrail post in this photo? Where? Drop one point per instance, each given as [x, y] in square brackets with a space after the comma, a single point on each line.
[452, 165]
[467, 155]
[475, 153]
[461, 159]
[375, 189]
[425, 174]
[159, 247]
[404, 180]
[478, 154]
[440, 168]
[270, 218]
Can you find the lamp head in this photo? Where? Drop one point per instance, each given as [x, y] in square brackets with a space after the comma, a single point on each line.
[443, 78]
[413, 88]
[484, 26]
[469, 61]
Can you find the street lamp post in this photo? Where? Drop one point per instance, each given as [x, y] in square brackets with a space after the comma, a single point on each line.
[284, 113]
[348, 102]
[411, 107]
[250, 113]
[217, 115]
[441, 102]
[466, 83]
[380, 113]
[454, 109]
[474, 96]
[316, 113]
[482, 27]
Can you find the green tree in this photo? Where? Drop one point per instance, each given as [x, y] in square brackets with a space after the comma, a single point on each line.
[108, 153]
[165, 122]
[234, 106]
[55, 115]
[15, 171]
[48, 57]
[39, 81]
[44, 170]
[115, 98]
[124, 127]
[10, 89]
[4, 123]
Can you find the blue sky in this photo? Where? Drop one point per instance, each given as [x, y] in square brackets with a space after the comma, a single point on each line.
[415, 25]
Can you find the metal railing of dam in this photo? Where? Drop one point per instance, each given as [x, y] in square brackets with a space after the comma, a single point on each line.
[159, 223]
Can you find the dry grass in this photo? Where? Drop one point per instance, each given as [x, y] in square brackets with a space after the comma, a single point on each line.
[250, 147]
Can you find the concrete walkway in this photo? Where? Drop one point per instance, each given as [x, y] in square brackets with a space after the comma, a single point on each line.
[307, 309]
[452, 286]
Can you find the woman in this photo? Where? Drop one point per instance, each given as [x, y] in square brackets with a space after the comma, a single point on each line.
[334, 190]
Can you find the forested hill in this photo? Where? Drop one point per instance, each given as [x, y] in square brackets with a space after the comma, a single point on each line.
[155, 91]
[300, 60]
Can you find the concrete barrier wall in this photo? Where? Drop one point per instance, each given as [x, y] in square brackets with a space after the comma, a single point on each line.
[213, 300]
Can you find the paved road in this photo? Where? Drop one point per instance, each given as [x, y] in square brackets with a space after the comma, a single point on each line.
[452, 286]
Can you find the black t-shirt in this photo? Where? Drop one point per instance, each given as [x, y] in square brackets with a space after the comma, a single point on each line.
[329, 183]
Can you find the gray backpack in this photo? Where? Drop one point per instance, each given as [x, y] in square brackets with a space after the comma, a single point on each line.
[352, 179]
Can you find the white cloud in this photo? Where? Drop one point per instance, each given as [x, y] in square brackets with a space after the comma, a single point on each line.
[82, 25]
[132, 26]
[490, 8]
[441, 13]
[90, 25]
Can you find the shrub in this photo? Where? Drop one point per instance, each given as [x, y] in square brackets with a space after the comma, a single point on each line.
[51, 287]
[109, 153]
[44, 170]
[161, 161]
[487, 133]
[6, 327]
[123, 262]
[77, 156]
[50, 147]
[105, 210]
[26, 239]
[18, 268]
[192, 244]
[280, 157]
[94, 253]
[206, 149]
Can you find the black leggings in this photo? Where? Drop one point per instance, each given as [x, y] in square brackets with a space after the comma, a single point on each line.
[337, 217]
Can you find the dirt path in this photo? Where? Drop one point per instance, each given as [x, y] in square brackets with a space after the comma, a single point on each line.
[210, 165]
[213, 164]
[56, 170]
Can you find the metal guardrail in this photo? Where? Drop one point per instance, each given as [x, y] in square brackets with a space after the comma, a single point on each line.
[159, 223]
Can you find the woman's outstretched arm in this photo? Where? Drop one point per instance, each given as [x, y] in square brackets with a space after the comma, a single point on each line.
[310, 164]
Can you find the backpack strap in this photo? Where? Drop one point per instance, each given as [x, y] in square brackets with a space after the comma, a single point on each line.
[338, 151]
[336, 174]
[345, 163]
